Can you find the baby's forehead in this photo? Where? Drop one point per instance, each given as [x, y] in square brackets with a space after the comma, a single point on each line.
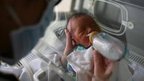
[80, 21]
[83, 21]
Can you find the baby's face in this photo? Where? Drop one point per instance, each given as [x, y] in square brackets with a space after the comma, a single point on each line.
[80, 36]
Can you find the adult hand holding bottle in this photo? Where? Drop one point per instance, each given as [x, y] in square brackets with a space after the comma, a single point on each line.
[102, 67]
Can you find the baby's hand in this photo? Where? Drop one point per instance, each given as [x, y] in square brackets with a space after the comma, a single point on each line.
[69, 47]
[70, 44]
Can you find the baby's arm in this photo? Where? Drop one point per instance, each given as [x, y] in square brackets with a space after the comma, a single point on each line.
[69, 47]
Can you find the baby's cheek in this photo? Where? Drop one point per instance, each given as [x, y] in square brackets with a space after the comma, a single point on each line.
[87, 40]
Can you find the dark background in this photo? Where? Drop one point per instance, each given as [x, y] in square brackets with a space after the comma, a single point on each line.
[28, 12]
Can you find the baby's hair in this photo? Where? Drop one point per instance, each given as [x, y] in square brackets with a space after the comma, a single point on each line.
[76, 15]
[92, 23]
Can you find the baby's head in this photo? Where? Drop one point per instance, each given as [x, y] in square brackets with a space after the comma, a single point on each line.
[79, 26]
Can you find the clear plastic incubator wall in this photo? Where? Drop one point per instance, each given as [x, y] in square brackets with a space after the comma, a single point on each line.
[122, 19]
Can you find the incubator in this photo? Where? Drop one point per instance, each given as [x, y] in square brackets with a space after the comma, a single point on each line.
[42, 63]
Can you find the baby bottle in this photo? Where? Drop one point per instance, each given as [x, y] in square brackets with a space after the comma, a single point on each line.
[109, 46]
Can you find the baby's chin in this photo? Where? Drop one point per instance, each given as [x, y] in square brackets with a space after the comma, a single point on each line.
[87, 46]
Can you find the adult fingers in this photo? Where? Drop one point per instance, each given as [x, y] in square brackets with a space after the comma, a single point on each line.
[109, 68]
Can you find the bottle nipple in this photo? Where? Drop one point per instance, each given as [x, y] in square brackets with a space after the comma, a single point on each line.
[91, 35]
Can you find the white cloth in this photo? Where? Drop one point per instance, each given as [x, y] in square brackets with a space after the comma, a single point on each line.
[81, 61]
